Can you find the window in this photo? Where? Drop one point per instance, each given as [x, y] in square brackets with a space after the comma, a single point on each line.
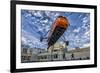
[24, 50]
[55, 56]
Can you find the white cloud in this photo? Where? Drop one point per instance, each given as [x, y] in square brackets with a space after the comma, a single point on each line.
[76, 30]
[85, 19]
[87, 33]
[85, 45]
[24, 40]
[28, 39]
[38, 14]
[27, 15]
[80, 16]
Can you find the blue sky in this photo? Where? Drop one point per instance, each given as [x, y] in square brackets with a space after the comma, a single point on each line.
[37, 23]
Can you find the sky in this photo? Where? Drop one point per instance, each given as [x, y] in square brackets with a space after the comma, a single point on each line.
[37, 23]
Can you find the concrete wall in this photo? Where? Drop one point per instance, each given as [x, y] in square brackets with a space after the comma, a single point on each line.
[78, 55]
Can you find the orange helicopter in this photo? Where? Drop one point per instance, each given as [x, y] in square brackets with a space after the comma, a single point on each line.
[58, 28]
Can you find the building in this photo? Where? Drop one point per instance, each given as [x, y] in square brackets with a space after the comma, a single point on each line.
[30, 54]
[78, 54]
[58, 52]
[26, 54]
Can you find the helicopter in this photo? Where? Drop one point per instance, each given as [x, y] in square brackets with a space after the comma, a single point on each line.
[57, 29]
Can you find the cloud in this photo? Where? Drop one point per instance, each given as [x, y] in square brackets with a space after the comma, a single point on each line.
[87, 33]
[37, 23]
[24, 40]
[86, 45]
[76, 30]
[32, 41]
